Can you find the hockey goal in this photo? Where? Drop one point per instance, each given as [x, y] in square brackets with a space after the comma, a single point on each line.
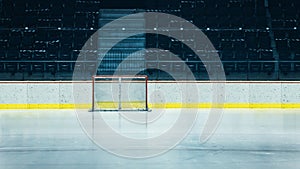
[120, 93]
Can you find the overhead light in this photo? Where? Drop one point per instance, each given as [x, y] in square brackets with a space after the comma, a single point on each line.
[208, 29]
[267, 28]
[26, 28]
[59, 28]
[240, 29]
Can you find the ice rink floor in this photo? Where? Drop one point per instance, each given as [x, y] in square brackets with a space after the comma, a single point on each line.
[246, 139]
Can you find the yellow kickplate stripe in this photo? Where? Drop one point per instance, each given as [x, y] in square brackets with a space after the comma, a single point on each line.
[126, 105]
[44, 106]
[153, 105]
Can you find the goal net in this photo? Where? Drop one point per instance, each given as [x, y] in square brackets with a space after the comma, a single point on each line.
[119, 93]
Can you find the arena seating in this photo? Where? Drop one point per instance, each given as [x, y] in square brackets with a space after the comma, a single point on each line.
[256, 40]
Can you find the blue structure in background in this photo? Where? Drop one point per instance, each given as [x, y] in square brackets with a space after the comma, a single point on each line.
[125, 48]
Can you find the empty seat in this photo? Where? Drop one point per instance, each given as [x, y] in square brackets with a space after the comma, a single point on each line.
[38, 67]
[242, 67]
[52, 54]
[253, 55]
[226, 34]
[276, 12]
[290, 13]
[150, 55]
[52, 36]
[75, 54]
[295, 45]
[51, 67]
[28, 40]
[81, 20]
[93, 55]
[163, 43]
[229, 67]
[212, 22]
[252, 43]
[280, 34]
[294, 34]
[238, 35]
[39, 45]
[239, 45]
[297, 56]
[291, 23]
[277, 24]
[66, 37]
[151, 41]
[18, 21]
[235, 9]
[285, 67]
[26, 55]
[248, 9]
[3, 42]
[24, 67]
[187, 15]
[2, 67]
[91, 67]
[268, 67]
[151, 65]
[282, 44]
[65, 55]
[79, 43]
[192, 66]
[42, 35]
[13, 54]
[255, 67]
[297, 66]
[226, 45]
[249, 22]
[15, 39]
[165, 66]
[39, 55]
[2, 55]
[68, 21]
[92, 22]
[235, 22]
[241, 55]
[190, 56]
[79, 67]
[265, 42]
[266, 55]
[164, 56]
[65, 67]
[202, 67]
[213, 36]
[68, 7]
[285, 55]
[5, 22]
[175, 45]
[200, 21]
[178, 67]
[11, 67]
[30, 21]
[227, 55]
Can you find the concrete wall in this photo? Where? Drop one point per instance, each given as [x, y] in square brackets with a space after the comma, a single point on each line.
[48, 94]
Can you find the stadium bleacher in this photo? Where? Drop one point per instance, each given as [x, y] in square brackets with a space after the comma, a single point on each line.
[256, 40]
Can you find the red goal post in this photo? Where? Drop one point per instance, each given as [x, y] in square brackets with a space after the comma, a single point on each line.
[120, 93]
